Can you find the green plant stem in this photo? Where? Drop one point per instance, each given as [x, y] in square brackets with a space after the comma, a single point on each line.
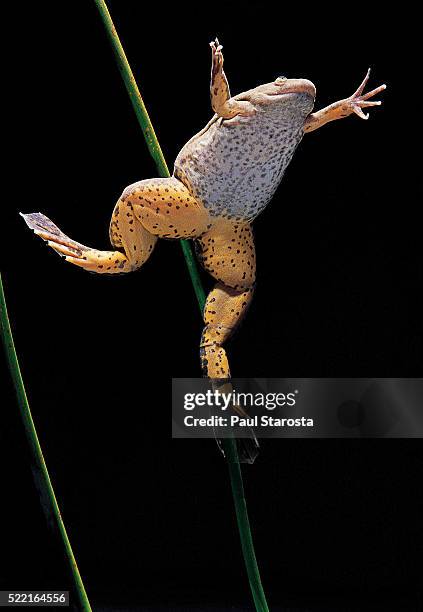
[247, 544]
[229, 445]
[39, 467]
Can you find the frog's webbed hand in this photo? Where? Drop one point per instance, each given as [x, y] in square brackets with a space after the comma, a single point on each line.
[344, 108]
[220, 95]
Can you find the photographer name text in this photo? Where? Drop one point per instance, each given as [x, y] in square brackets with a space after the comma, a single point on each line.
[256, 421]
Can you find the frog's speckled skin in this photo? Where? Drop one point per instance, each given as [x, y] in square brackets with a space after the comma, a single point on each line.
[224, 177]
[234, 170]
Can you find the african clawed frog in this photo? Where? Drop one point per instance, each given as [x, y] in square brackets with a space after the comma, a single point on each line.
[223, 178]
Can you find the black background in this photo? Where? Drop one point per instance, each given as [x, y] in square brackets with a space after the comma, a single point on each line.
[337, 524]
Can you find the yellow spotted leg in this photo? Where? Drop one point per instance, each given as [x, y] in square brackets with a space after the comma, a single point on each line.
[145, 211]
[164, 207]
[227, 252]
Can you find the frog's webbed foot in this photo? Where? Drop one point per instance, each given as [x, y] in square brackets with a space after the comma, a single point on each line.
[73, 251]
[55, 238]
[358, 100]
[220, 95]
[93, 260]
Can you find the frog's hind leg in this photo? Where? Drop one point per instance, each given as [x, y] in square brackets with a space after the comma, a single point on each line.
[227, 252]
[147, 210]
[134, 242]
[165, 208]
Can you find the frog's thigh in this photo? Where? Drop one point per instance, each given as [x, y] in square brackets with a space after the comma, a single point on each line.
[228, 254]
[165, 208]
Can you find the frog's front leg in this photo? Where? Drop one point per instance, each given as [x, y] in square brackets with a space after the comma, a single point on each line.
[344, 108]
[227, 252]
[220, 95]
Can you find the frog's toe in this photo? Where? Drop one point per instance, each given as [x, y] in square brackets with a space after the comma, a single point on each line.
[216, 48]
[372, 93]
[362, 85]
[215, 45]
[83, 262]
[64, 250]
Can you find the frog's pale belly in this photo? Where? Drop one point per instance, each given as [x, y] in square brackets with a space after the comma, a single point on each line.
[234, 170]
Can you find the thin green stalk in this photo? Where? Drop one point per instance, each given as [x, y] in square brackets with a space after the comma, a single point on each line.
[147, 129]
[229, 445]
[247, 544]
[39, 467]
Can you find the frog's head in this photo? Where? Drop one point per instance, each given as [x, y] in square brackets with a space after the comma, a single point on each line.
[286, 96]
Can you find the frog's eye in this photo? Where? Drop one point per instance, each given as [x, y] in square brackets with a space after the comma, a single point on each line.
[280, 79]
